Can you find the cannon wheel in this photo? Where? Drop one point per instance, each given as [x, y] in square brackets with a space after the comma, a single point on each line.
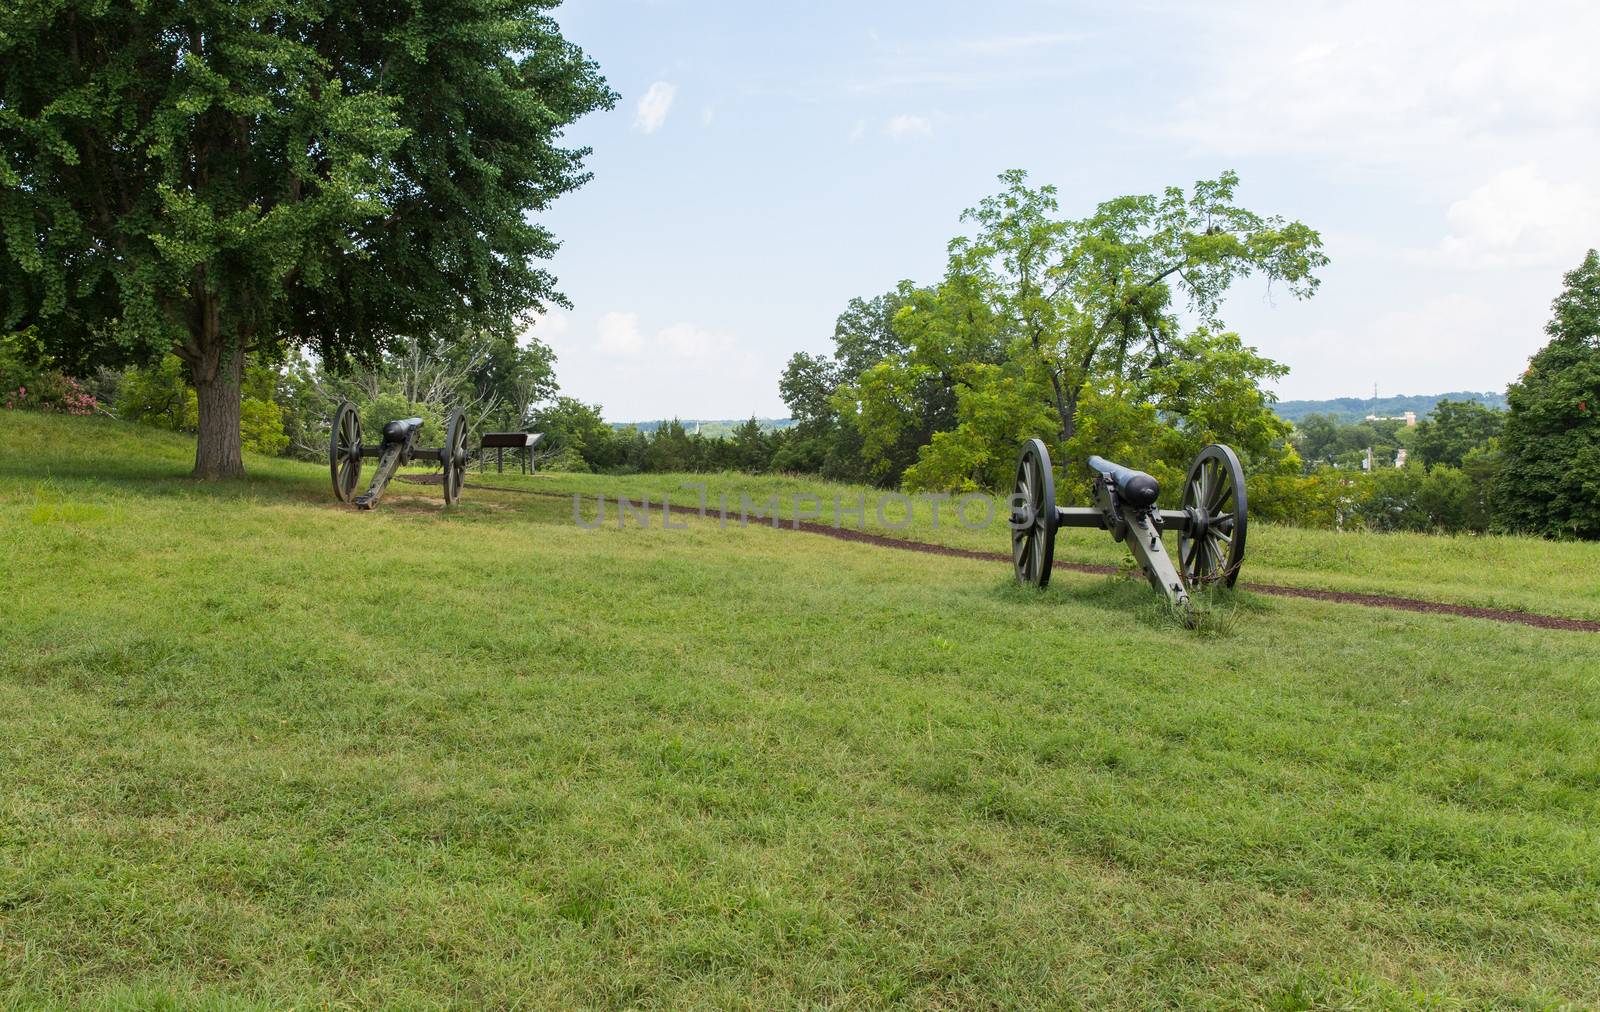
[344, 451]
[455, 456]
[1212, 550]
[1033, 518]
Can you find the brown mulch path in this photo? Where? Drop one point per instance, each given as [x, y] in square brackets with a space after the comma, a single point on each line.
[1339, 596]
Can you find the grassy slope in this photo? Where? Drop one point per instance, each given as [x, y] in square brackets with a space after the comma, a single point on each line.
[1525, 574]
[255, 749]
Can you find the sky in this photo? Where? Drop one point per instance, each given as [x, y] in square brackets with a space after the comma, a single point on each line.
[768, 162]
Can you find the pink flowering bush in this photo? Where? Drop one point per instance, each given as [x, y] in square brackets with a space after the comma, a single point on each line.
[51, 391]
[30, 384]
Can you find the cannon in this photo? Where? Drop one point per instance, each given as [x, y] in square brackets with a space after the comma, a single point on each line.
[1210, 524]
[346, 452]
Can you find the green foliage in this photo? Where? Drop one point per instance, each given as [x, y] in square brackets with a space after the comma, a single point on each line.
[1550, 481]
[1323, 440]
[566, 459]
[1454, 430]
[1207, 389]
[29, 380]
[1092, 300]
[219, 179]
[578, 439]
[1325, 499]
[1038, 318]
[390, 405]
[570, 425]
[161, 395]
[996, 411]
[670, 448]
[807, 387]
[261, 427]
[1440, 499]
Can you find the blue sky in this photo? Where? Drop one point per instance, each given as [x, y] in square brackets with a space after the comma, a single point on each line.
[768, 162]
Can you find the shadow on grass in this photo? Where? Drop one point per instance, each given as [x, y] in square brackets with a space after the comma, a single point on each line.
[76, 483]
[158, 479]
[1215, 612]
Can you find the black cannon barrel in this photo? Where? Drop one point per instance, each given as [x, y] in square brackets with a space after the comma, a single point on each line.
[1135, 488]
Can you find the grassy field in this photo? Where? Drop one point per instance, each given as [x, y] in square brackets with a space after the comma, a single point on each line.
[260, 751]
[1521, 574]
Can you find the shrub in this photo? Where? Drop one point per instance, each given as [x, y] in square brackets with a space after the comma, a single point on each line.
[261, 427]
[29, 383]
[566, 459]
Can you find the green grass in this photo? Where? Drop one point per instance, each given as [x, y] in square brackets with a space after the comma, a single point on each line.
[1518, 573]
[256, 750]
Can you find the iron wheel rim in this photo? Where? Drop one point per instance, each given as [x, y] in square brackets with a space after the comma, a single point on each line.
[344, 451]
[1212, 550]
[1033, 527]
[455, 452]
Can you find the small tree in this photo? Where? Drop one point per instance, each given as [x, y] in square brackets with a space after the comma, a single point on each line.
[1549, 479]
[219, 179]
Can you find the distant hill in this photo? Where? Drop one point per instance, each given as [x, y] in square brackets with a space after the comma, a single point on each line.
[712, 428]
[1353, 409]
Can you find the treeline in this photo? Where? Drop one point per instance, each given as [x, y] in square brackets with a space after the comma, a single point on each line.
[1353, 409]
[1439, 475]
[579, 439]
[1533, 468]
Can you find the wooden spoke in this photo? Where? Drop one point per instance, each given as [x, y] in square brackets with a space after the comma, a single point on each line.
[1211, 550]
[1033, 524]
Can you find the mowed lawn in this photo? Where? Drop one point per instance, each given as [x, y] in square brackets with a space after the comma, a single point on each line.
[1514, 573]
[260, 750]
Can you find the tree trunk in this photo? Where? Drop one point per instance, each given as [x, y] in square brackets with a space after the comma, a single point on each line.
[216, 374]
[1066, 408]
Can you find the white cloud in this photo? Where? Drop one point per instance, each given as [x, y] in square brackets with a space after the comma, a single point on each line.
[1520, 218]
[619, 334]
[653, 106]
[548, 327]
[904, 127]
[1454, 83]
[707, 115]
[859, 130]
[686, 340]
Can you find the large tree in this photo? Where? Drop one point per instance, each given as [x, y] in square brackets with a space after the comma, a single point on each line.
[1098, 297]
[1040, 317]
[217, 179]
[1549, 482]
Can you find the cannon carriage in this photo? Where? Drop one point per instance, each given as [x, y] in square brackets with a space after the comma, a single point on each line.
[397, 448]
[1210, 524]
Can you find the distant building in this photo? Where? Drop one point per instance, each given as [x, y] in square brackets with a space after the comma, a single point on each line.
[1410, 418]
[1370, 461]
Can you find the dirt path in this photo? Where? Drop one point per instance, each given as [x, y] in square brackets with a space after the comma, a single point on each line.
[1339, 596]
